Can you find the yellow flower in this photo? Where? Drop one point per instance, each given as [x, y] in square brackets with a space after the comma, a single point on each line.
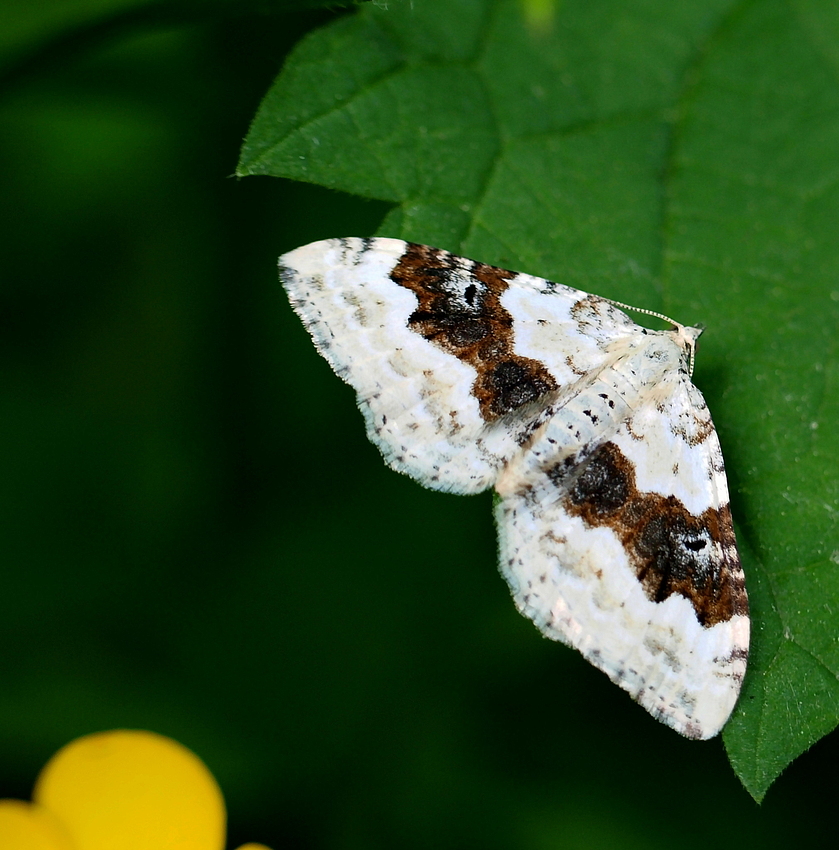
[540, 13]
[120, 790]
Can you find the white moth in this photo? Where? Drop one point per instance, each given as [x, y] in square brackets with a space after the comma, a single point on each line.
[614, 526]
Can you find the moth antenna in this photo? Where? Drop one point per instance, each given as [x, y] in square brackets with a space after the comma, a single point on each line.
[646, 312]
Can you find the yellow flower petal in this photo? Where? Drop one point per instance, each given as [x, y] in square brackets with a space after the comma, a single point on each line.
[24, 826]
[133, 790]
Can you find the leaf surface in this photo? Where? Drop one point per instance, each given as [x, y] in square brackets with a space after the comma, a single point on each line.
[679, 156]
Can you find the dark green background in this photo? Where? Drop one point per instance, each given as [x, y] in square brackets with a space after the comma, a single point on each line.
[197, 538]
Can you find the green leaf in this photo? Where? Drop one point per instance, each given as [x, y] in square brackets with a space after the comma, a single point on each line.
[679, 156]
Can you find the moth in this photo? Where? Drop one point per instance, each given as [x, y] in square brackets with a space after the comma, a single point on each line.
[615, 532]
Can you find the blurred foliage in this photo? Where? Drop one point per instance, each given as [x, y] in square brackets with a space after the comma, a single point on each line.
[198, 539]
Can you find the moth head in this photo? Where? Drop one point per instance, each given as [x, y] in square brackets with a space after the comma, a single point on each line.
[687, 337]
[684, 336]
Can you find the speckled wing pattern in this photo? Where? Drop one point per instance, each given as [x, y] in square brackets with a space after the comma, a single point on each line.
[615, 531]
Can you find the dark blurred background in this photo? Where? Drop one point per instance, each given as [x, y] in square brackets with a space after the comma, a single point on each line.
[197, 538]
